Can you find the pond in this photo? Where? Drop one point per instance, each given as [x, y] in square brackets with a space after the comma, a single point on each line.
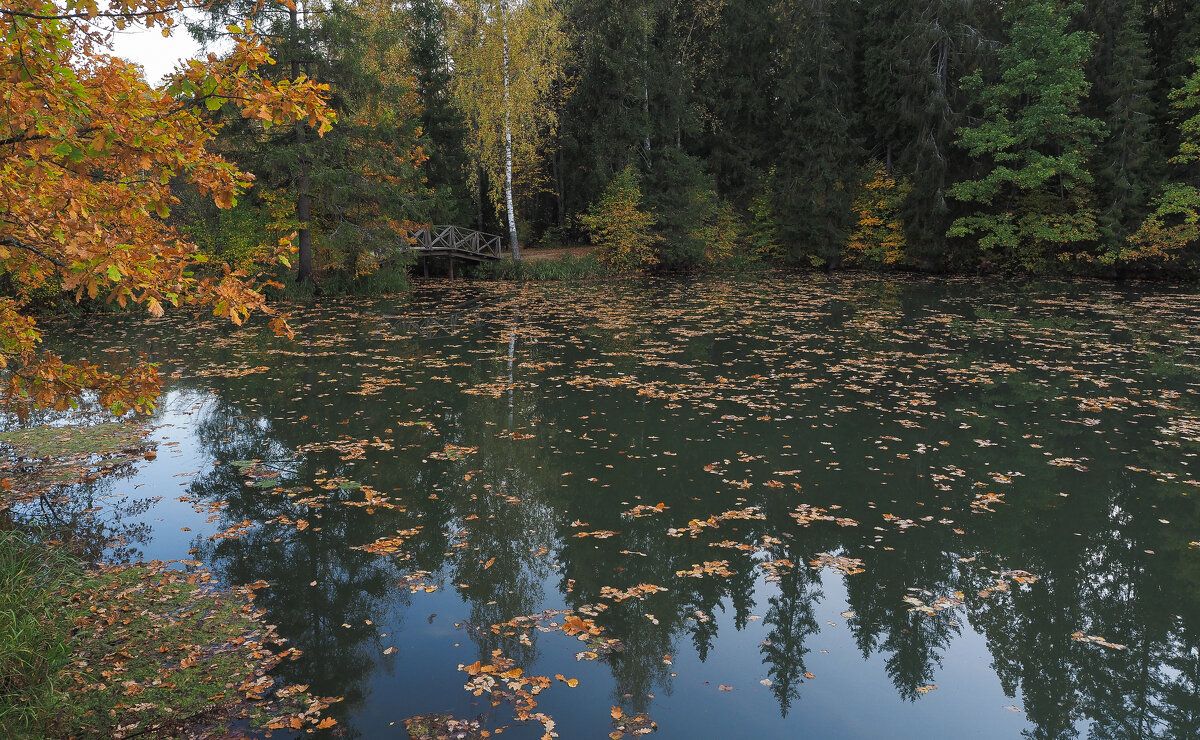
[836, 507]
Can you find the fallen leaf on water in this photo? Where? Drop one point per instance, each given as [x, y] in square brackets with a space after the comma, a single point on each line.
[1095, 640]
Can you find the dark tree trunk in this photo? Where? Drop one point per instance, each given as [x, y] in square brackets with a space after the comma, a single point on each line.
[304, 270]
[304, 267]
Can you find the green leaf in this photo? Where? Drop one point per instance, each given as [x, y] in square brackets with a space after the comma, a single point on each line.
[113, 273]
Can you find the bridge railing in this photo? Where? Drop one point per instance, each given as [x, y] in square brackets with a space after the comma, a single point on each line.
[454, 239]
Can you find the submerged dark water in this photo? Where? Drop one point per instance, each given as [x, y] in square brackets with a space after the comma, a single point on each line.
[878, 508]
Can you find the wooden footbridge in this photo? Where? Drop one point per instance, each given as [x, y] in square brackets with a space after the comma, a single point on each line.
[454, 241]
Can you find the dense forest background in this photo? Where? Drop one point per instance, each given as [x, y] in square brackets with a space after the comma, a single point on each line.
[1036, 136]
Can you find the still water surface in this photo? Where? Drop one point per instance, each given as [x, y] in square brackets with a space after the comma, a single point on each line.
[875, 507]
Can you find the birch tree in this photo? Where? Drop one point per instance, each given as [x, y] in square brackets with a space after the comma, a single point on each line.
[508, 69]
[508, 147]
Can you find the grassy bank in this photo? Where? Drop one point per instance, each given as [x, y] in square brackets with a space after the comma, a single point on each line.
[563, 268]
[148, 649]
[34, 635]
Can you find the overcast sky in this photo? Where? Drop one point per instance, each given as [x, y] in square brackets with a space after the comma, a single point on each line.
[156, 54]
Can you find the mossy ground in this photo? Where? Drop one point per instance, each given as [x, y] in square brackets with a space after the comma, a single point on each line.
[64, 454]
[68, 441]
[159, 651]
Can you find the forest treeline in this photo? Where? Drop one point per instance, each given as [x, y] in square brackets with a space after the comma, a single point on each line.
[941, 135]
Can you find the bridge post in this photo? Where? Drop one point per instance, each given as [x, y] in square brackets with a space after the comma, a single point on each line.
[425, 265]
[451, 267]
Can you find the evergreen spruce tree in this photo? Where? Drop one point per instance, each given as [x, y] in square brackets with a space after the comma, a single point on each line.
[642, 67]
[1034, 203]
[683, 197]
[762, 227]
[443, 124]
[607, 122]
[1129, 166]
[817, 158]
[1173, 27]
[369, 178]
[1171, 233]
[359, 189]
[914, 52]
[737, 84]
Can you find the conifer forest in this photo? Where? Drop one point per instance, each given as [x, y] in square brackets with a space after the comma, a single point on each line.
[1035, 136]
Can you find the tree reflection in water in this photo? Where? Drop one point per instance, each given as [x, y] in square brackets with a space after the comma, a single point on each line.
[555, 413]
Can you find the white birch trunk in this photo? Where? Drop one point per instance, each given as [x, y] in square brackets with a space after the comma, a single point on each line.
[508, 148]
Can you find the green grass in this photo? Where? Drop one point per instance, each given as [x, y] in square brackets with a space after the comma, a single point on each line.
[387, 279]
[34, 636]
[564, 268]
[132, 650]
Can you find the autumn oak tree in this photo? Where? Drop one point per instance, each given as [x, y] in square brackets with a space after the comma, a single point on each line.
[87, 153]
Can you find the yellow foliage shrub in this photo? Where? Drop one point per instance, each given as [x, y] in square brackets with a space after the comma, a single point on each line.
[620, 227]
[878, 237]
